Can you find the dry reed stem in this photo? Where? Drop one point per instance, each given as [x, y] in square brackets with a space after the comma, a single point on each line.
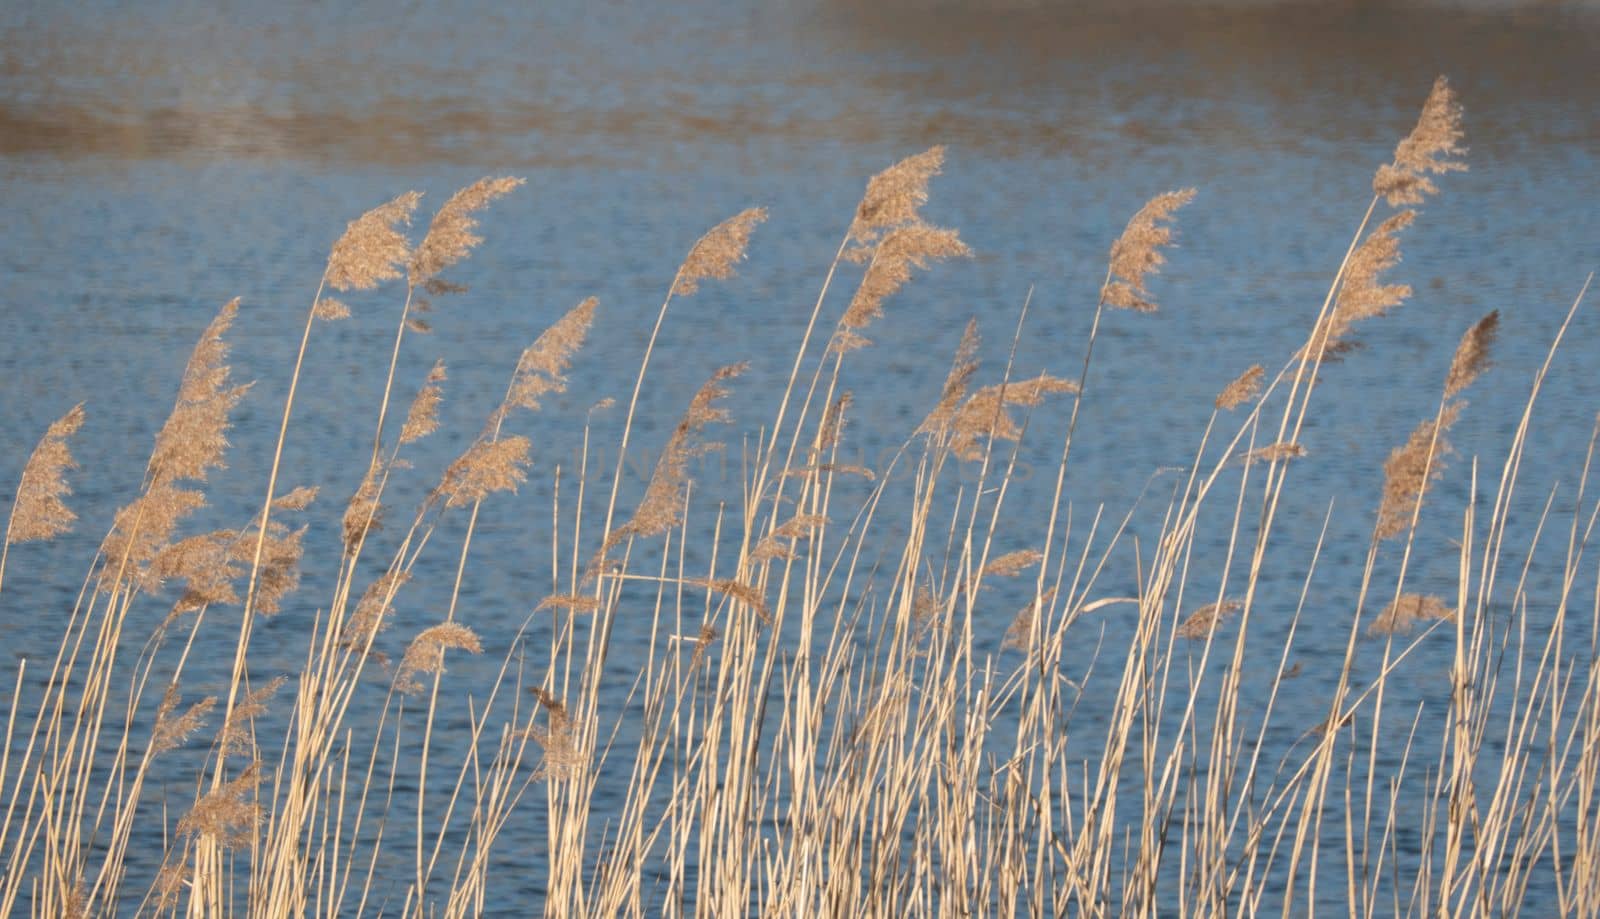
[451, 235]
[39, 511]
[425, 654]
[1406, 611]
[894, 196]
[1244, 388]
[1425, 150]
[371, 251]
[1472, 355]
[1204, 620]
[1411, 469]
[715, 254]
[422, 418]
[1137, 252]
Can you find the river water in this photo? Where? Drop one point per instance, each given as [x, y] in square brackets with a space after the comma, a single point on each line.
[159, 159]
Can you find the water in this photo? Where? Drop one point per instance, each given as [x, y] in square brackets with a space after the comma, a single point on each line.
[157, 161]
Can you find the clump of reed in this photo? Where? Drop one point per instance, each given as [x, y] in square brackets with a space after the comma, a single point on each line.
[835, 710]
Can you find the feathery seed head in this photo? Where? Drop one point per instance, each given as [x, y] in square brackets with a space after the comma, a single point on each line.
[1242, 389]
[425, 654]
[1426, 150]
[370, 252]
[451, 236]
[1472, 355]
[194, 437]
[488, 466]
[39, 511]
[912, 245]
[715, 254]
[894, 196]
[1411, 469]
[1137, 252]
[1399, 616]
[422, 418]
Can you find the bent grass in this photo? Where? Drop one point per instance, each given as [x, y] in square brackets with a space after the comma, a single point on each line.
[824, 719]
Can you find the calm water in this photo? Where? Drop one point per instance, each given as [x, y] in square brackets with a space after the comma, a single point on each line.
[158, 159]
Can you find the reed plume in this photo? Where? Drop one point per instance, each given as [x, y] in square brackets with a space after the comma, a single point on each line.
[1012, 564]
[172, 729]
[715, 254]
[364, 512]
[1406, 611]
[739, 591]
[1279, 452]
[452, 234]
[425, 654]
[1137, 252]
[1361, 296]
[1019, 634]
[234, 738]
[1203, 621]
[372, 250]
[907, 247]
[228, 815]
[562, 752]
[486, 467]
[422, 418]
[1411, 469]
[542, 368]
[986, 413]
[956, 382]
[373, 611]
[1428, 149]
[1244, 388]
[39, 511]
[1472, 355]
[194, 438]
[574, 603]
[894, 196]
[661, 508]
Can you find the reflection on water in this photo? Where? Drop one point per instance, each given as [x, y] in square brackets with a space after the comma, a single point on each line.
[551, 85]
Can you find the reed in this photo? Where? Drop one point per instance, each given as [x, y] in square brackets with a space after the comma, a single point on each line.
[822, 711]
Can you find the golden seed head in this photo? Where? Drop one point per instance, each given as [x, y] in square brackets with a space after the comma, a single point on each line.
[1411, 469]
[487, 467]
[371, 251]
[717, 252]
[907, 247]
[1472, 355]
[422, 418]
[425, 654]
[1204, 620]
[452, 235]
[39, 511]
[1430, 148]
[1137, 252]
[894, 196]
[1398, 617]
[1242, 389]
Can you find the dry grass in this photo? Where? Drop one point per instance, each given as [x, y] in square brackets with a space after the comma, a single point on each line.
[827, 710]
